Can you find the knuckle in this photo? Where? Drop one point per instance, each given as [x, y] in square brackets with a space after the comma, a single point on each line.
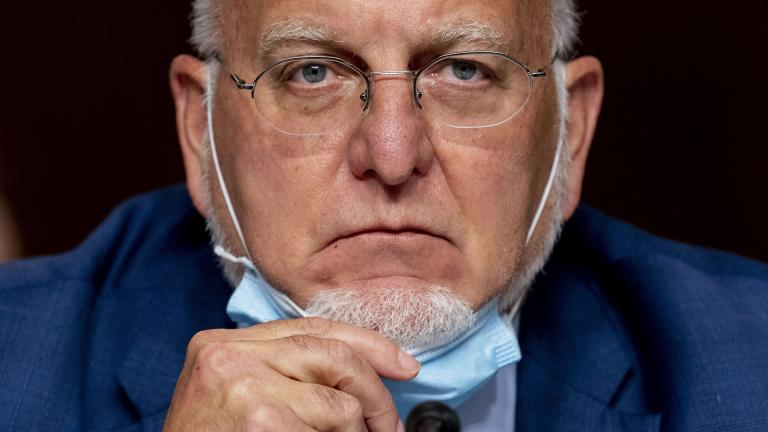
[245, 388]
[204, 337]
[351, 409]
[339, 350]
[344, 406]
[302, 343]
[314, 326]
[214, 356]
[198, 340]
[333, 349]
[262, 418]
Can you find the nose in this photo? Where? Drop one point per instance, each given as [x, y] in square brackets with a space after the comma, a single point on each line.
[391, 143]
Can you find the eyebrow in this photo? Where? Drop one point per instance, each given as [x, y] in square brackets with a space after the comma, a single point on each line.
[297, 30]
[473, 32]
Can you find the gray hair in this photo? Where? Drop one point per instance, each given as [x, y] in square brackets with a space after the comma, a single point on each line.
[565, 27]
[206, 33]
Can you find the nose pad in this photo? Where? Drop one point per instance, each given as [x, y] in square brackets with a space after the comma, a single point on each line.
[367, 95]
[392, 96]
[391, 144]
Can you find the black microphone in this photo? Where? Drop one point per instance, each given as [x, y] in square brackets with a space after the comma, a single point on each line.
[432, 417]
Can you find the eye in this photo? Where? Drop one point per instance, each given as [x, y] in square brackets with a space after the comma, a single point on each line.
[461, 71]
[314, 73]
[464, 70]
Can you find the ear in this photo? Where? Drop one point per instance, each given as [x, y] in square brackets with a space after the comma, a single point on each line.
[188, 78]
[584, 80]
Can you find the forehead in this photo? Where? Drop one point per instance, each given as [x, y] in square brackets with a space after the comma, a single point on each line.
[383, 24]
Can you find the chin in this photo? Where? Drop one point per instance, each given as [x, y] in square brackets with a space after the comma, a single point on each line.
[410, 312]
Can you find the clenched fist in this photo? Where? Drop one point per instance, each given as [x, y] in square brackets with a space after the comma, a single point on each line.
[290, 375]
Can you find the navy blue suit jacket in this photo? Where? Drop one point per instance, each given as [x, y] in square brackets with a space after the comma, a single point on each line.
[622, 332]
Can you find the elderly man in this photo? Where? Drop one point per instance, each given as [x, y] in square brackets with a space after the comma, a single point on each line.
[381, 182]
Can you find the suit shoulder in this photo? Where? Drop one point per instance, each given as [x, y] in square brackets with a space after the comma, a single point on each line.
[615, 241]
[670, 288]
[691, 320]
[67, 320]
[136, 230]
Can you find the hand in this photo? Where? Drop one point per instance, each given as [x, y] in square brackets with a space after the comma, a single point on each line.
[290, 375]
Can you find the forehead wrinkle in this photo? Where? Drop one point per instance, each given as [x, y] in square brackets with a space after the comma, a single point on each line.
[474, 32]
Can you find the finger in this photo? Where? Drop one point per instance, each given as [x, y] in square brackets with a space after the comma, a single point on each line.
[320, 407]
[268, 417]
[386, 358]
[334, 364]
[240, 416]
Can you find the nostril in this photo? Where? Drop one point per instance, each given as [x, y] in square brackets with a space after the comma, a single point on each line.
[391, 180]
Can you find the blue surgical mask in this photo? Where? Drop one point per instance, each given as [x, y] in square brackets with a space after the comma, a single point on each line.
[449, 372]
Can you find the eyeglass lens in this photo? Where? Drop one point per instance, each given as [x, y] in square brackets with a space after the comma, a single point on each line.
[319, 95]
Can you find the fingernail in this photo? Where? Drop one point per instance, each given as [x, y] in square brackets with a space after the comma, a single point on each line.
[400, 426]
[408, 363]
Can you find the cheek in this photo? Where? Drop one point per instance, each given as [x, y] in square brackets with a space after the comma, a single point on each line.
[279, 182]
[492, 175]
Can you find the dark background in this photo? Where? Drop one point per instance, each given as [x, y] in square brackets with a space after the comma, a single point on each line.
[87, 118]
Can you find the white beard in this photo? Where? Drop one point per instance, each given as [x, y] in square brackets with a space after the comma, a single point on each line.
[409, 317]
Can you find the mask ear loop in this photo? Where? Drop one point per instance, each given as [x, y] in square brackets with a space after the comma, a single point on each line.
[247, 261]
[547, 191]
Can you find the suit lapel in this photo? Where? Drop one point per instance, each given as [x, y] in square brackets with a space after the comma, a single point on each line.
[171, 314]
[575, 362]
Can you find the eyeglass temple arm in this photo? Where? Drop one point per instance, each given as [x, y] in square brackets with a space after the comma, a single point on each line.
[541, 73]
[239, 82]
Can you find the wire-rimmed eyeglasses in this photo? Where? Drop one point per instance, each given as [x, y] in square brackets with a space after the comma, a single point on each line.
[317, 94]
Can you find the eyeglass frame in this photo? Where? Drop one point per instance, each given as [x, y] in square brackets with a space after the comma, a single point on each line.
[367, 95]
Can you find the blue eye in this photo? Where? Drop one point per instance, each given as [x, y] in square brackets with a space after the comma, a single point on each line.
[314, 73]
[464, 70]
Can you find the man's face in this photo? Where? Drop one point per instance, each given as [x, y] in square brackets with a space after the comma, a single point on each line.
[389, 198]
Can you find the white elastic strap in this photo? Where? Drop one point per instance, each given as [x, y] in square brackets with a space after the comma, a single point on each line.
[279, 298]
[286, 304]
[547, 190]
[220, 251]
[220, 177]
